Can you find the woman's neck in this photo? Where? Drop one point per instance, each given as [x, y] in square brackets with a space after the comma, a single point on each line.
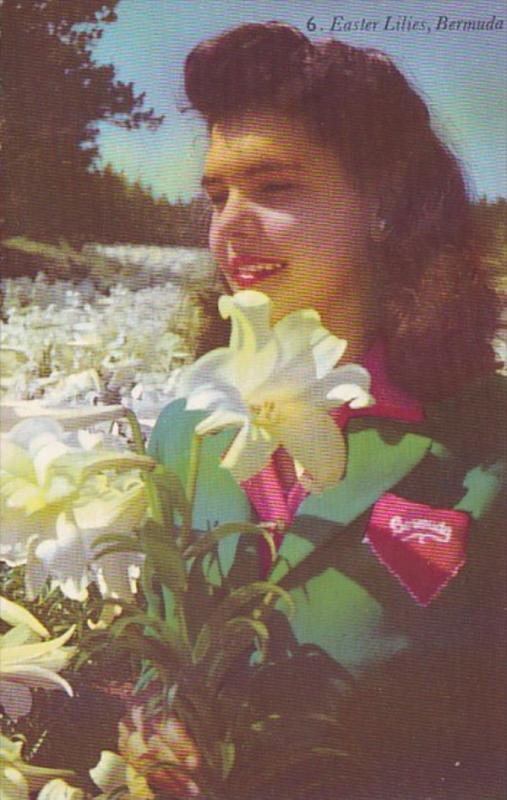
[356, 319]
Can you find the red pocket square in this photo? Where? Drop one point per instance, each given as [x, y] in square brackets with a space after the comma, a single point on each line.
[424, 547]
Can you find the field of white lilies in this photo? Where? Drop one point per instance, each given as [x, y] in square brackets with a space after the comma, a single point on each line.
[66, 345]
[107, 599]
[76, 359]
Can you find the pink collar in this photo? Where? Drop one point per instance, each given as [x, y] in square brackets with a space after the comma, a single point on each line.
[275, 505]
[391, 402]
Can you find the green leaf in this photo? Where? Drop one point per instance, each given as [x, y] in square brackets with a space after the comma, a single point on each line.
[117, 461]
[231, 644]
[202, 644]
[208, 541]
[148, 674]
[258, 628]
[82, 657]
[172, 485]
[164, 502]
[113, 538]
[312, 727]
[133, 547]
[165, 557]
[201, 719]
[153, 599]
[89, 463]
[151, 627]
[247, 594]
[146, 647]
[228, 753]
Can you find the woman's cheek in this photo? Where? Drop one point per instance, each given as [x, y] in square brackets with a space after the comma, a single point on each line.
[282, 231]
[215, 240]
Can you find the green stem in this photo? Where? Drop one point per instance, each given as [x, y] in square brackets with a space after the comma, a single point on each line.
[193, 469]
[154, 506]
[182, 622]
[154, 503]
[137, 434]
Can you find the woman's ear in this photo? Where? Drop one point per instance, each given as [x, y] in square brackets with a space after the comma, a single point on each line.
[379, 228]
[383, 203]
[380, 213]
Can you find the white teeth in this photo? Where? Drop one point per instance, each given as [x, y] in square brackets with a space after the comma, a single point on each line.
[261, 267]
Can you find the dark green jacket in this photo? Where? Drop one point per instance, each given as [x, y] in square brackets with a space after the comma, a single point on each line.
[430, 678]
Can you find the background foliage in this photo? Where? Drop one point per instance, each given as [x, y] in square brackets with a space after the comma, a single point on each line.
[53, 97]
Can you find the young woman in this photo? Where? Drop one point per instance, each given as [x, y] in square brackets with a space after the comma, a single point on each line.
[330, 190]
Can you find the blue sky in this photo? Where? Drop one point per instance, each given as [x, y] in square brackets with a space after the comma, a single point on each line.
[460, 73]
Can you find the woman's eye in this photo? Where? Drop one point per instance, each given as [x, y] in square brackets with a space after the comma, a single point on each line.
[218, 199]
[277, 187]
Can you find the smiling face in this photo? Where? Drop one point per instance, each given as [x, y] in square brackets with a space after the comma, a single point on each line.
[287, 220]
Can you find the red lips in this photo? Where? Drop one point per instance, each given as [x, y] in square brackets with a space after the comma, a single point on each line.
[247, 271]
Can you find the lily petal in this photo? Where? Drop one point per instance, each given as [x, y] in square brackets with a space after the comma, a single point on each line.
[70, 418]
[60, 790]
[26, 496]
[231, 367]
[38, 651]
[220, 419]
[120, 512]
[33, 675]
[306, 350]
[250, 314]
[353, 386]
[85, 463]
[26, 432]
[302, 330]
[10, 751]
[208, 370]
[276, 385]
[211, 398]
[347, 384]
[14, 614]
[114, 574]
[207, 397]
[46, 456]
[17, 636]
[312, 438]
[36, 572]
[66, 559]
[327, 351]
[249, 452]
[350, 393]
[14, 785]
[15, 460]
[110, 773]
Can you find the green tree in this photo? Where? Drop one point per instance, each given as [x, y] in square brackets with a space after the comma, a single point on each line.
[53, 96]
[491, 220]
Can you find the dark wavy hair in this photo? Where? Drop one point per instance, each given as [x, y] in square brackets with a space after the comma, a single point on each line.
[439, 313]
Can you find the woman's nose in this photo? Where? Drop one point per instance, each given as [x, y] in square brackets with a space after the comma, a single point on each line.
[239, 217]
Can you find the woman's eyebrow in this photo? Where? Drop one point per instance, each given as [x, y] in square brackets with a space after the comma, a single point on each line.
[263, 167]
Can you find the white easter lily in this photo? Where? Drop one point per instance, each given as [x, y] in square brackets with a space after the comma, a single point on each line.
[59, 492]
[276, 385]
[26, 661]
[70, 418]
[17, 778]
[58, 789]
[113, 772]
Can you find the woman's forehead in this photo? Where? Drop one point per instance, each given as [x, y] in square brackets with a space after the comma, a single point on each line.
[261, 141]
